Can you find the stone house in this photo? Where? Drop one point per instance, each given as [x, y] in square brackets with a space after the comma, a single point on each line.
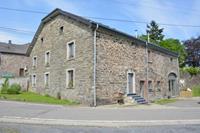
[76, 58]
[13, 59]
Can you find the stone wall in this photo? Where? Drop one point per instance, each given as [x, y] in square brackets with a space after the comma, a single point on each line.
[56, 43]
[189, 81]
[12, 63]
[116, 55]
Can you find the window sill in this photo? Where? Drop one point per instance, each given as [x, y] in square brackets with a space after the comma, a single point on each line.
[47, 65]
[70, 87]
[150, 62]
[33, 67]
[72, 58]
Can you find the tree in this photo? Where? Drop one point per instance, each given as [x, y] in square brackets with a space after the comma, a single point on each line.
[155, 33]
[176, 46]
[193, 50]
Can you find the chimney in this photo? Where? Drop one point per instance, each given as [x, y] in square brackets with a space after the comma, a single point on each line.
[9, 42]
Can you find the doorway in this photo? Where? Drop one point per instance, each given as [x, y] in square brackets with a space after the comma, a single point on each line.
[172, 84]
[130, 83]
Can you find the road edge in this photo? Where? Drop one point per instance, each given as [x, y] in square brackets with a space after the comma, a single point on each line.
[96, 123]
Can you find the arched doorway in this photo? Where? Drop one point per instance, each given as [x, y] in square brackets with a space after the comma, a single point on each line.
[172, 83]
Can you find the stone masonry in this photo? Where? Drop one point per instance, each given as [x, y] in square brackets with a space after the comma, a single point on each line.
[117, 54]
[12, 63]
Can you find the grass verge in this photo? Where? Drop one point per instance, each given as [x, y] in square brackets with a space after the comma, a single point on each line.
[36, 98]
[196, 91]
[164, 101]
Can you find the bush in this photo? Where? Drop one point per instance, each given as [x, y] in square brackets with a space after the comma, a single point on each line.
[14, 89]
[5, 86]
[191, 70]
[196, 91]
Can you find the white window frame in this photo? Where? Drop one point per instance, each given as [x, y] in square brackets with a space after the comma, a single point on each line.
[45, 57]
[67, 79]
[45, 81]
[32, 83]
[34, 62]
[67, 47]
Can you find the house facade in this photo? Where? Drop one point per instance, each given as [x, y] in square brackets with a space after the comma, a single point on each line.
[79, 59]
[14, 60]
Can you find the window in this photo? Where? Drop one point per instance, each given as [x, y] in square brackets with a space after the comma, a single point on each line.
[21, 72]
[70, 50]
[150, 88]
[158, 86]
[47, 58]
[149, 56]
[61, 29]
[171, 59]
[33, 80]
[70, 78]
[46, 79]
[34, 61]
[42, 39]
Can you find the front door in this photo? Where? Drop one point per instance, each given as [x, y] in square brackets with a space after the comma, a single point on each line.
[131, 83]
[142, 88]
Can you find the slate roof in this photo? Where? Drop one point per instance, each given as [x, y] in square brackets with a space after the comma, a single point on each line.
[92, 24]
[13, 48]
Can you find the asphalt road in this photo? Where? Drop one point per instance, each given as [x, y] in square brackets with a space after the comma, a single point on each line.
[19, 109]
[23, 128]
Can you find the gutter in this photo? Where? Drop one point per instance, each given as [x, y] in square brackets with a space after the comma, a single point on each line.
[94, 67]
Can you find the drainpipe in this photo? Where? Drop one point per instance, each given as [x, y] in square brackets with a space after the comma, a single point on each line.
[94, 67]
[147, 67]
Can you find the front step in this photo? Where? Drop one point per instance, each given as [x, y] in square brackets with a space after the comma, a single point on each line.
[138, 99]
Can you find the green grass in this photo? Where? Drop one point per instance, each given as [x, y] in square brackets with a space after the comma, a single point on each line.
[36, 98]
[196, 91]
[164, 101]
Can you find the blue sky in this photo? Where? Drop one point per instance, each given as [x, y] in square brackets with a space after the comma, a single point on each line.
[181, 12]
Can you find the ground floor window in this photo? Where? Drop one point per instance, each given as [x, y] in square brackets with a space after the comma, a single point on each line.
[21, 72]
[33, 80]
[150, 87]
[70, 78]
[46, 79]
[158, 87]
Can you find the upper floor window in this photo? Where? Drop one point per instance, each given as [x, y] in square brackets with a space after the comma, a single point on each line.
[34, 61]
[171, 59]
[149, 56]
[71, 50]
[47, 58]
[42, 39]
[61, 29]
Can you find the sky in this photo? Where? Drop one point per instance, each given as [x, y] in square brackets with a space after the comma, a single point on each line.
[178, 12]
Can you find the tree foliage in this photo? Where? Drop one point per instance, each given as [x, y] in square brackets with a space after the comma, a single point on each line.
[156, 36]
[193, 50]
[175, 46]
[155, 33]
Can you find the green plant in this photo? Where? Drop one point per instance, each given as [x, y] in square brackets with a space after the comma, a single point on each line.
[196, 91]
[14, 89]
[5, 86]
[191, 70]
